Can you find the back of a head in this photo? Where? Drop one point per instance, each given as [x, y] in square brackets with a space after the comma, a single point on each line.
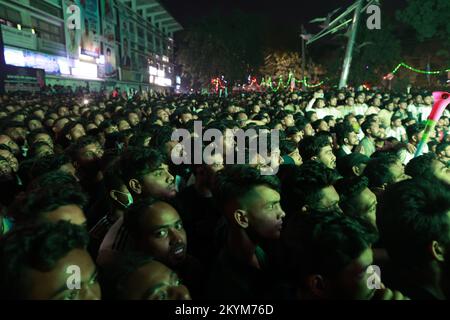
[35, 247]
[42, 198]
[137, 162]
[323, 243]
[378, 171]
[421, 167]
[311, 146]
[304, 184]
[235, 181]
[411, 214]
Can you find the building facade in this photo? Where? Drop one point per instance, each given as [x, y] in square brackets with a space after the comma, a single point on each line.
[103, 43]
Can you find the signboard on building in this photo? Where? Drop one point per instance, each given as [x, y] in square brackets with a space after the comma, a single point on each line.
[18, 38]
[23, 79]
[72, 27]
[109, 68]
[90, 36]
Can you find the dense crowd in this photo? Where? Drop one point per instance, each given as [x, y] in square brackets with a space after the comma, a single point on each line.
[92, 205]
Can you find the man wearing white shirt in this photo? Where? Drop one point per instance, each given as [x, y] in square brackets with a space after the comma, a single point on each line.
[397, 130]
[425, 109]
[415, 134]
[360, 107]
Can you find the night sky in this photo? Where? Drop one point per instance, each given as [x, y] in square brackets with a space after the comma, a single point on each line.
[278, 12]
[285, 17]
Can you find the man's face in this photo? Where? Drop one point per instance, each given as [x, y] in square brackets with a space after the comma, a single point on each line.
[403, 105]
[445, 154]
[324, 126]
[5, 168]
[360, 99]
[52, 285]
[34, 124]
[77, 132]
[43, 137]
[329, 200]
[90, 156]
[352, 139]
[133, 118]
[366, 204]
[186, 117]
[6, 140]
[333, 102]
[11, 159]
[289, 121]
[99, 119]
[296, 137]
[154, 281]
[124, 125]
[428, 100]
[341, 96]
[163, 115]
[63, 111]
[264, 213]
[71, 212]
[351, 282]
[441, 171]
[309, 131]
[296, 157]
[398, 172]
[375, 130]
[377, 102]
[163, 235]
[159, 183]
[398, 123]
[327, 157]
[350, 101]
[314, 117]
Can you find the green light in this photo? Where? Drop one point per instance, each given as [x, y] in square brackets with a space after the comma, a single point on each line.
[402, 64]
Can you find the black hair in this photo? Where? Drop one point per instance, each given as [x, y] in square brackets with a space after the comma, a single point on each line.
[323, 243]
[421, 167]
[367, 124]
[49, 192]
[235, 181]
[377, 170]
[414, 129]
[132, 217]
[137, 162]
[442, 146]
[303, 186]
[311, 146]
[287, 147]
[116, 274]
[47, 164]
[37, 247]
[342, 132]
[349, 189]
[411, 214]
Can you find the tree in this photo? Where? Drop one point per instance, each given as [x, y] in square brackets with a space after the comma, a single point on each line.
[218, 45]
[429, 18]
[376, 53]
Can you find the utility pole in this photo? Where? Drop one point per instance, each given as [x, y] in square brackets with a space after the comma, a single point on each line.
[303, 59]
[350, 45]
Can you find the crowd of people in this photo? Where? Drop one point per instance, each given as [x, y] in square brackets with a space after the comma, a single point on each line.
[93, 207]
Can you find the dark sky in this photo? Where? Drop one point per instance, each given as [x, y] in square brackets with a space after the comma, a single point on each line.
[284, 17]
[285, 12]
